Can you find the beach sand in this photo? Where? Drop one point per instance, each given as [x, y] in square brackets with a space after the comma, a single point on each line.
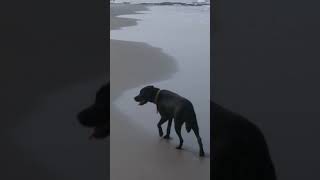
[136, 154]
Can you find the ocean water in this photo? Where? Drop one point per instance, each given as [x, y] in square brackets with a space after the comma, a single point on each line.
[158, 1]
[184, 34]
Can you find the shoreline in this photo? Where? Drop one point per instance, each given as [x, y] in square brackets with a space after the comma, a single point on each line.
[123, 9]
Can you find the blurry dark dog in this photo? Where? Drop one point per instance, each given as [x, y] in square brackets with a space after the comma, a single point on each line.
[172, 106]
[96, 116]
[239, 148]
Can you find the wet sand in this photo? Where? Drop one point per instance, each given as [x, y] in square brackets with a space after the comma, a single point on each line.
[136, 154]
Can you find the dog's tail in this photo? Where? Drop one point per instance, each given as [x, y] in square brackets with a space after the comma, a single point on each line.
[191, 121]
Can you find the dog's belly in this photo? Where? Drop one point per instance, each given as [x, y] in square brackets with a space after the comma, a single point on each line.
[166, 113]
[170, 108]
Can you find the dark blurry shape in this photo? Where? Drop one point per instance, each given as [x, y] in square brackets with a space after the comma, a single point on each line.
[97, 116]
[240, 151]
[172, 106]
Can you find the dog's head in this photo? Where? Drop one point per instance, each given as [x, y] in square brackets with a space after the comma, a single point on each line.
[96, 116]
[147, 94]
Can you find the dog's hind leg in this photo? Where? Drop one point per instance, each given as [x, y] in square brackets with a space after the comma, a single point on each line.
[162, 120]
[196, 132]
[167, 136]
[178, 131]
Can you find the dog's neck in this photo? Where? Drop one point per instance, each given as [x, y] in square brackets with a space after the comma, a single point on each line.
[156, 96]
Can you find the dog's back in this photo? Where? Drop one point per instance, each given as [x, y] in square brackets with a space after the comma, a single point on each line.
[240, 150]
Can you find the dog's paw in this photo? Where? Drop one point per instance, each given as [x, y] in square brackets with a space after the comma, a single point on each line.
[179, 147]
[166, 137]
[160, 133]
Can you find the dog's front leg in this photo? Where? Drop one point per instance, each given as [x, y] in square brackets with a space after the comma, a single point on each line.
[162, 120]
[167, 136]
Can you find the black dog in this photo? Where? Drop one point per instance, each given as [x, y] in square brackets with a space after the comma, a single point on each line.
[97, 115]
[172, 106]
[239, 148]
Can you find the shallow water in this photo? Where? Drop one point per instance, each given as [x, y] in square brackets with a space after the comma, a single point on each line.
[184, 34]
[157, 1]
